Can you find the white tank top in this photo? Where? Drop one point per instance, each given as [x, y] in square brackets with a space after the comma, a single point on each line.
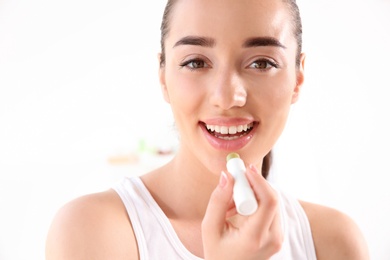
[157, 239]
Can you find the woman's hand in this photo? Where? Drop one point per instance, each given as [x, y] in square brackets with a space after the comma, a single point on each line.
[258, 236]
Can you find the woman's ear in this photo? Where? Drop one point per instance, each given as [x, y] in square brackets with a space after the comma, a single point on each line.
[161, 76]
[300, 78]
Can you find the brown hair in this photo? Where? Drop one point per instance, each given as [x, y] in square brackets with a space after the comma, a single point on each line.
[294, 11]
[297, 26]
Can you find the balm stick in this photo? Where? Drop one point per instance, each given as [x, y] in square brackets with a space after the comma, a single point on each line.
[243, 196]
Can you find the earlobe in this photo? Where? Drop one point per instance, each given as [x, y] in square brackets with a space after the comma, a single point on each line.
[300, 79]
[161, 75]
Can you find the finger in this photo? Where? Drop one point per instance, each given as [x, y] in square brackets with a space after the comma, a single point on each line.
[259, 184]
[232, 210]
[276, 225]
[220, 200]
[275, 234]
[267, 199]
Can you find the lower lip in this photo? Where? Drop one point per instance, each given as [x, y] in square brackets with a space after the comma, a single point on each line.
[228, 145]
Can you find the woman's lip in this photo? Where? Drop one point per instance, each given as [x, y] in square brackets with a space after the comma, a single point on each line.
[228, 145]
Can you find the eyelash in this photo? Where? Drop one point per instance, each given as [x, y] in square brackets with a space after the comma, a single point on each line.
[268, 65]
[187, 64]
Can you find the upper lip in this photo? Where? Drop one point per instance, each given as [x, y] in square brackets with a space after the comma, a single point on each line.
[228, 121]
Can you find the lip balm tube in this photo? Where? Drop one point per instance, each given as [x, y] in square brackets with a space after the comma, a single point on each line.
[243, 196]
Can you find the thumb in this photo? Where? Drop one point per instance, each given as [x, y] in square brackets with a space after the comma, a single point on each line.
[219, 203]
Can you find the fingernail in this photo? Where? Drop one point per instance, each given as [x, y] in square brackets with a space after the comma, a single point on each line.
[253, 168]
[222, 179]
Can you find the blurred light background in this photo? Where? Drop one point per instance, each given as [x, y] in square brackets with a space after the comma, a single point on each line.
[80, 107]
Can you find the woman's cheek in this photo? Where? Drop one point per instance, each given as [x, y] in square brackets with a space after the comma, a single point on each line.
[185, 93]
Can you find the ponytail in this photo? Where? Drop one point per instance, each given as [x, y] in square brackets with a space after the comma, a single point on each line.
[267, 161]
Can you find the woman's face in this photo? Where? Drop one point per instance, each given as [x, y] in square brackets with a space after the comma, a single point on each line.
[230, 76]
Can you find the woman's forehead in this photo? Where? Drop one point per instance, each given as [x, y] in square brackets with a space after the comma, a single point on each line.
[230, 20]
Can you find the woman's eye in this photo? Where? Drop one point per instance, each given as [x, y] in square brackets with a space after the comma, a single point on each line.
[194, 64]
[263, 65]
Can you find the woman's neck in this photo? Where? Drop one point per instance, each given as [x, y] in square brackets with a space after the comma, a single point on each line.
[181, 188]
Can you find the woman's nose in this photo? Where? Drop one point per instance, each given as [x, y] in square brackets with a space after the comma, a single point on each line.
[228, 91]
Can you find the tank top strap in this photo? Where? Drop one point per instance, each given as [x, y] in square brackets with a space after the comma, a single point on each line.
[298, 241]
[155, 235]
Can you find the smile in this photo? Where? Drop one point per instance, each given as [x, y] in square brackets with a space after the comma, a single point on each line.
[229, 132]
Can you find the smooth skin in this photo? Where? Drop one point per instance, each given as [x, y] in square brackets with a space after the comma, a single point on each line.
[211, 75]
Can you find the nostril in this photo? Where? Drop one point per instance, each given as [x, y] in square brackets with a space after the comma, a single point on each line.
[228, 99]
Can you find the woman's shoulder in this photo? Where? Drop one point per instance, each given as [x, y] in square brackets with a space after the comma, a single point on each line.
[94, 226]
[335, 234]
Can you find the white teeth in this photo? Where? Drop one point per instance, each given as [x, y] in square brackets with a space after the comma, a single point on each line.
[229, 129]
[224, 130]
[232, 130]
[228, 137]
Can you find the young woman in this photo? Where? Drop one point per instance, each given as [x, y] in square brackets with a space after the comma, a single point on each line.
[230, 71]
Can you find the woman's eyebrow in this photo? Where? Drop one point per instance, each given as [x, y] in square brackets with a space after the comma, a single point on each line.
[262, 41]
[210, 42]
[195, 40]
